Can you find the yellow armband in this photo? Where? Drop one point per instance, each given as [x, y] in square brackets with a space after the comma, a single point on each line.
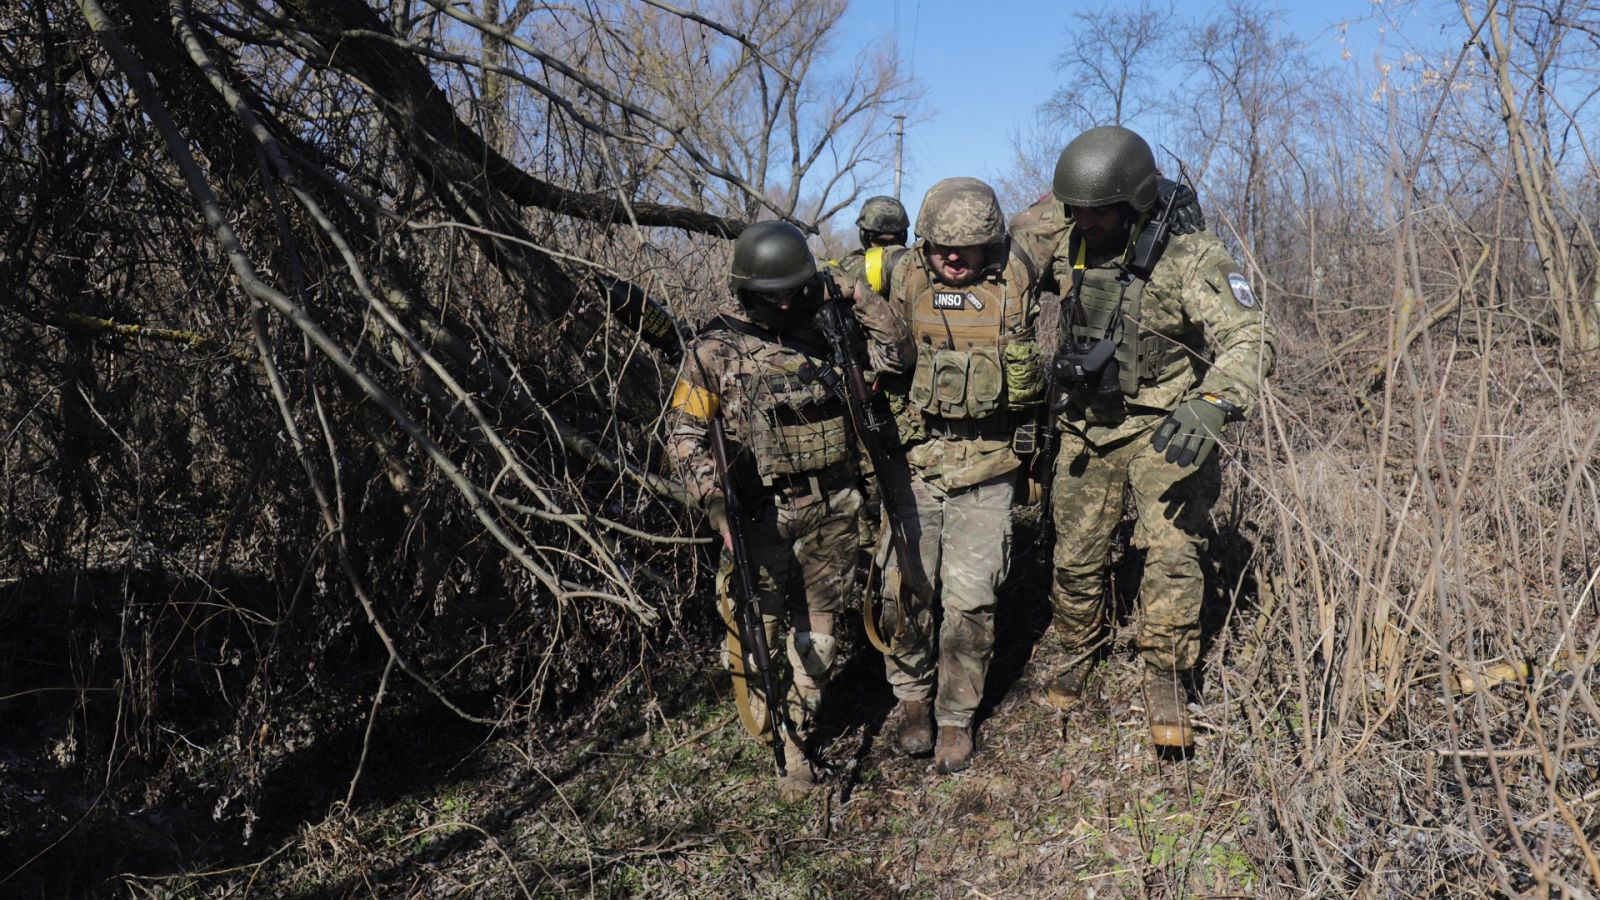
[695, 400]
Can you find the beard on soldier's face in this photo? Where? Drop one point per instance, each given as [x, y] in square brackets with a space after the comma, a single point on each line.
[1104, 228]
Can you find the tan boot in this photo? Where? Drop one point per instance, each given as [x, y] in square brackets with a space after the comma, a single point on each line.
[913, 735]
[953, 753]
[1066, 689]
[1166, 709]
[801, 776]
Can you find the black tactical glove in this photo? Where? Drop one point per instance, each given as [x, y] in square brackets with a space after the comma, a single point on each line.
[1186, 214]
[1190, 433]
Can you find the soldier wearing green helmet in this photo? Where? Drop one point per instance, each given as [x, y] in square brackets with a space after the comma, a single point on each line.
[760, 368]
[1163, 344]
[971, 303]
[882, 226]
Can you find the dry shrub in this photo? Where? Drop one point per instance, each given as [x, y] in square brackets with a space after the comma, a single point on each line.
[1449, 548]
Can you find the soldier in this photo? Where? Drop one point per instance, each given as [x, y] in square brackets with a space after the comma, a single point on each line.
[971, 304]
[1164, 343]
[882, 226]
[792, 452]
[1038, 230]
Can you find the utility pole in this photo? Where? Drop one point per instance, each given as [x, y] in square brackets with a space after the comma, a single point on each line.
[899, 150]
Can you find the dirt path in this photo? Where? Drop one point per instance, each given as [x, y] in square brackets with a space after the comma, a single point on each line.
[676, 801]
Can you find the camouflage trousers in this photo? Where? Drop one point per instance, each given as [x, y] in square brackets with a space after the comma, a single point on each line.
[804, 550]
[1172, 504]
[964, 545]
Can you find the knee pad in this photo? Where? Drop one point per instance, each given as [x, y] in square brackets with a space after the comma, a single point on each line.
[813, 653]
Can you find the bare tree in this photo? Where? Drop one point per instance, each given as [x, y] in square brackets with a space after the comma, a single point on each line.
[1523, 48]
[1241, 125]
[338, 280]
[1109, 64]
[780, 127]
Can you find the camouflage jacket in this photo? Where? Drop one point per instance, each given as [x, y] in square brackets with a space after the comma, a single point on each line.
[853, 263]
[983, 450]
[872, 265]
[1199, 308]
[780, 419]
[1036, 231]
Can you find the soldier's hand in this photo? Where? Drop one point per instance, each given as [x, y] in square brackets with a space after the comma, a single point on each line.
[717, 515]
[1186, 214]
[1191, 432]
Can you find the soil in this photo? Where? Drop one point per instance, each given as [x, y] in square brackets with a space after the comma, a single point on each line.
[656, 791]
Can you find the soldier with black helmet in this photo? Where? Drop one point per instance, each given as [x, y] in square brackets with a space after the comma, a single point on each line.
[971, 304]
[1164, 343]
[761, 369]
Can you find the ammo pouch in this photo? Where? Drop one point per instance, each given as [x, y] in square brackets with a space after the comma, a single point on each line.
[1112, 307]
[957, 384]
[978, 382]
[798, 427]
[1025, 380]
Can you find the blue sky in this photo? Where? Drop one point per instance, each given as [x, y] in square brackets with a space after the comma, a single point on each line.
[984, 72]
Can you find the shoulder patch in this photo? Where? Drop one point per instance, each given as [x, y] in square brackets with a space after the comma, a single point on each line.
[1242, 294]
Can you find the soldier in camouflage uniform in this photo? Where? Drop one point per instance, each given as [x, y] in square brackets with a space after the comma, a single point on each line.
[1040, 228]
[1192, 347]
[791, 449]
[882, 225]
[971, 304]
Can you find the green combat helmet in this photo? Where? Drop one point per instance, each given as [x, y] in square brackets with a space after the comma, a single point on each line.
[883, 215]
[961, 212]
[1106, 165]
[770, 257]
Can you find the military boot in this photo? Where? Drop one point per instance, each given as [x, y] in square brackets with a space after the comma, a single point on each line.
[913, 735]
[1066, 689]
[1166, 709]
[953, 753]
[801, 776]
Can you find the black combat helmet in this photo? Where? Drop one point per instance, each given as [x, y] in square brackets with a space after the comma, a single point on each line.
[883, 215]
[1106, 165]
[770, 257]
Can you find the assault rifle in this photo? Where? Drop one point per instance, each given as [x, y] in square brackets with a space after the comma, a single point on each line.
[753, 637]
[874, 424]
[1035, 440]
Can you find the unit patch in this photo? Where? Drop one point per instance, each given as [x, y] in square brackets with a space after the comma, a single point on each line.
[1241, 290]
[950, 300]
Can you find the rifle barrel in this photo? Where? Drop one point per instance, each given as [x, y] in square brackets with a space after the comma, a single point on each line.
[754, 639]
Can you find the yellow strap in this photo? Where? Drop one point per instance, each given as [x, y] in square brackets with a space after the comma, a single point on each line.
[874, 272]
[695, 400]
[869, 613]
[757, 726]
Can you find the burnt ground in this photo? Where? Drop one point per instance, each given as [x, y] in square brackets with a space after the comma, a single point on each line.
[657, 792]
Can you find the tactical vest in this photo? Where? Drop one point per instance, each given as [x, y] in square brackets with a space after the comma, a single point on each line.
[1110, 301]
[976, 350]
[793, 423]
